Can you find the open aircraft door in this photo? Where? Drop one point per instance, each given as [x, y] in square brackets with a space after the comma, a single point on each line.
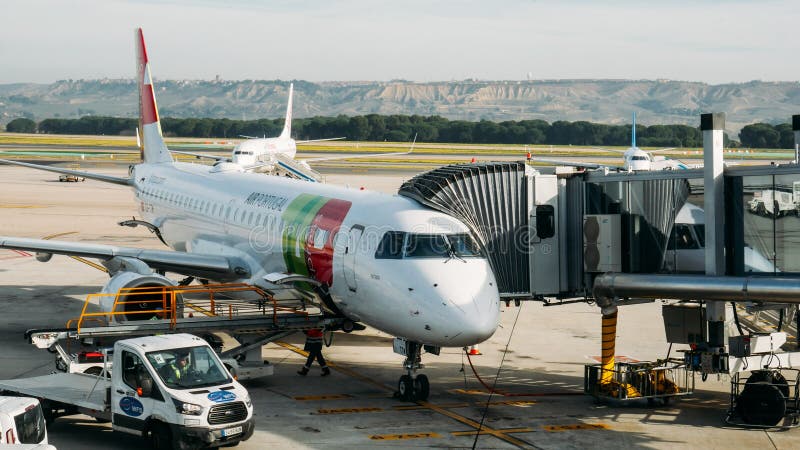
[350, 252]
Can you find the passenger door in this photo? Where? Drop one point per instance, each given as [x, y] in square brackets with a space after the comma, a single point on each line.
[350, 252]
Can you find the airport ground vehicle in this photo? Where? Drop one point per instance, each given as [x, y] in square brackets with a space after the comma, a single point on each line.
[21, 421]
[70, 178]
[171, 389]
[775, 203]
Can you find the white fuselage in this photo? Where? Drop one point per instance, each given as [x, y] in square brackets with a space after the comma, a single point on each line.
[329, 233]
[262, 151]
[637, 159]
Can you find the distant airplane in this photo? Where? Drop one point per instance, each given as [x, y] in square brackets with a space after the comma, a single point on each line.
[369, 257]
[634, 159]
[266, 154]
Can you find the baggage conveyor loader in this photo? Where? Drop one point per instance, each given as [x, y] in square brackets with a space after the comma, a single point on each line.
[249, 315]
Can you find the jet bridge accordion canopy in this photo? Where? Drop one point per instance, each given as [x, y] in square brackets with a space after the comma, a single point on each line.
[491, 199]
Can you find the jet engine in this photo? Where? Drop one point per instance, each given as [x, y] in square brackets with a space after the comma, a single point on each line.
[139, 306]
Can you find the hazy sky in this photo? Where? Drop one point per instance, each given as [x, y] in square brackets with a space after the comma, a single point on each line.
[420, 40]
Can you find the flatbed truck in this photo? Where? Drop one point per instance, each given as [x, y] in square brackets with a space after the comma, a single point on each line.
[171, 389]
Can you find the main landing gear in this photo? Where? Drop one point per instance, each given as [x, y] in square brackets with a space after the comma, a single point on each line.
[411, 387]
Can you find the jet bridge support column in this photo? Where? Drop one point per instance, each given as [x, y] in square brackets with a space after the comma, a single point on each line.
[713, 126]
[796, 129]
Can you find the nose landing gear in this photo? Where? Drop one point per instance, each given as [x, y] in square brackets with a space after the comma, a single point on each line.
[412, 387]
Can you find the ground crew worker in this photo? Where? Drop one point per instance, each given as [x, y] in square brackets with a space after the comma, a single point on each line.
[314, 348]
[178, 369]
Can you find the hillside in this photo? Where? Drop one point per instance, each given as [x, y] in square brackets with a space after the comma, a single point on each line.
[602, 101]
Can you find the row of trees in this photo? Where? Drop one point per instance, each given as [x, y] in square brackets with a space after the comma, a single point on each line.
[399, 128]
[764, 135]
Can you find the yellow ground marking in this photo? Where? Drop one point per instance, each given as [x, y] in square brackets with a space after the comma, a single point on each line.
[52, 236]
[469, 391]
[348, 410]
[483, 428]
[577, 426]
[418, 407]
[305, 398]
[397, 437]
[436, 408]
[504, 430]
[90, 263]
[520, 403]
[15, 206]
[77, 258]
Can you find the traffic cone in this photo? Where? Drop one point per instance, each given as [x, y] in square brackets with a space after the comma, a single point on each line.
[473, 160]
[473, 350]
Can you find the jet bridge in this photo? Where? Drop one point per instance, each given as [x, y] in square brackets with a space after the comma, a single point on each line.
[548, 234]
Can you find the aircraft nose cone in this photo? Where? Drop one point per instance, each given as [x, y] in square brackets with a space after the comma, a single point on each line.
[479, 318]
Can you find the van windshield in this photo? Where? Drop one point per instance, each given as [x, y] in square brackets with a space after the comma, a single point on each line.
[188, 368]
[30, 425]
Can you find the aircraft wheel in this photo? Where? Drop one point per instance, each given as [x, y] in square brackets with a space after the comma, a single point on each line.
[422, 387]
[405, 388]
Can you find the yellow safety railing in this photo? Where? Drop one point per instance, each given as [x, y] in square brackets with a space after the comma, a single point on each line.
[162, 303]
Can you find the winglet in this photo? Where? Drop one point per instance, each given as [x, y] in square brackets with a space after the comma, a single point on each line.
[287, 125]
[153, 148]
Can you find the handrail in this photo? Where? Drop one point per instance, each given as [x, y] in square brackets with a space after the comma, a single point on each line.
[166, 307]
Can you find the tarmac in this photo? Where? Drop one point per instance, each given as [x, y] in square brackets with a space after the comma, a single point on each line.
[536, 358]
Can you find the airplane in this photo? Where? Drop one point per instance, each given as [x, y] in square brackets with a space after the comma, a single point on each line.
[686, 249]
[634, 159]
[383, 260]
[265, 154]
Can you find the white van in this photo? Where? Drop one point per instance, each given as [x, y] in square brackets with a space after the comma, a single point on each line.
[21, 421]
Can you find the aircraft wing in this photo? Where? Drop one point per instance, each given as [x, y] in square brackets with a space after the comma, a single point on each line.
[201, 155]
[368, 155]
[91, 176]
[216, 267]
[561, 162]
[320, 140]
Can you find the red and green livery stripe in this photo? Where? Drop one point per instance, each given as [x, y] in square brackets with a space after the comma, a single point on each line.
[311, 218]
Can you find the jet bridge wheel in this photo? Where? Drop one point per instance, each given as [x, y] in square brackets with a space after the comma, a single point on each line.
[763, 399]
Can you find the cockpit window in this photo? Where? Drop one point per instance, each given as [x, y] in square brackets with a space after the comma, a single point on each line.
[391, 246]
[638, 158]
[463, 245]
[398, 244]
[427, 246]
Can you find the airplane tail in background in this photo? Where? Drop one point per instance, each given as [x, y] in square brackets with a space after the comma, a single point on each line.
[287, 125]
[153, 149]
[633, 131]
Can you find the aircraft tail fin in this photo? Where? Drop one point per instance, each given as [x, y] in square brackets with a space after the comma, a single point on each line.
[287, 125]
[633, 131]
[153, 149]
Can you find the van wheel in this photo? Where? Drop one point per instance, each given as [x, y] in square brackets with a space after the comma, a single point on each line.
[160, 437]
